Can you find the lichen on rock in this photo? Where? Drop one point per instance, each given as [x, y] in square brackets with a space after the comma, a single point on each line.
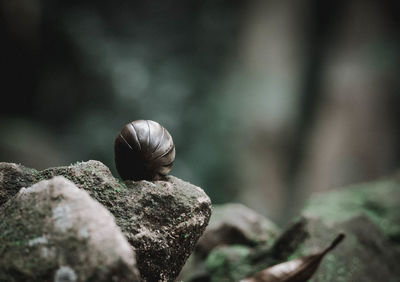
[12, 178]
[162, 220]
[42, 238]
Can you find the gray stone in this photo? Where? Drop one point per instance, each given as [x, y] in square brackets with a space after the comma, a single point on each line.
[377, 200]
[53, 231]
[236, 224]
[365, 255]
[222, 252]
[162, 219]
[368, 215]
[12, 178]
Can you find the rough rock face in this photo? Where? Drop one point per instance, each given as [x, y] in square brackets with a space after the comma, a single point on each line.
[12, 178]
[162, 220]
[53, 231]
[166, 220]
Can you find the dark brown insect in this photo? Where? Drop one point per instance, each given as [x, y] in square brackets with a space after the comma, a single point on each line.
[144, 150]
[297, 270]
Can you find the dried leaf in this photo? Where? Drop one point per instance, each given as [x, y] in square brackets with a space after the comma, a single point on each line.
[298, 270]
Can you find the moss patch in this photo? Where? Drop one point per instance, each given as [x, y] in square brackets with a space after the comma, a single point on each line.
[162, 220]
[379, 201]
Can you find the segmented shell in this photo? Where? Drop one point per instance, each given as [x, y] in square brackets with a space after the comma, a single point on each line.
[144, 150]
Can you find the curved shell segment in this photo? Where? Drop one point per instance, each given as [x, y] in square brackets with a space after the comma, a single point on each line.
[144, 150]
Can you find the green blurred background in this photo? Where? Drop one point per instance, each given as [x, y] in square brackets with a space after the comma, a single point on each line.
[267, 101]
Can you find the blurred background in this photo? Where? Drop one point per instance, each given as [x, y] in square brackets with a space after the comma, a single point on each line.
[267, 101]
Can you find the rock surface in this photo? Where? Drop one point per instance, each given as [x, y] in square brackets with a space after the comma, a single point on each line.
[236, 224]
[235, 262]
[53, 231]
[377, 200]
[368, 215]
[234, 230]
[162, 220]
[12, 178]
[366, 254]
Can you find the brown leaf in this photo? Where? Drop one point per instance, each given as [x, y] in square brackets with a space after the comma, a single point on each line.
[298, 270]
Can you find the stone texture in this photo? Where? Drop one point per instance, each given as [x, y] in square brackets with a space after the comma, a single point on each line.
[53, 231]
[162, 220]
[12, 178]
[168, 219]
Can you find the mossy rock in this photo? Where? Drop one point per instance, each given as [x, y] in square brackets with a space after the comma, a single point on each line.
[366, 254]
[378, 200]
[366, 213]
[229, 248]
[53, 231]
[162, 220]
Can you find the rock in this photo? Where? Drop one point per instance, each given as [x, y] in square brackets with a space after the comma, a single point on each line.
[366, 213]
[12, 178]
[235, 262]
[236, 224]
[365, 255]
[378, 200]
[162, 220]
[53, 231]
[229, 263]
[221, 253]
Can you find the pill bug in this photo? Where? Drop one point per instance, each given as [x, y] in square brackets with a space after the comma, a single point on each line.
[144, 150]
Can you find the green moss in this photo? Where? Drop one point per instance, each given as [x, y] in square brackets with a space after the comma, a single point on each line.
[379, 201]
[154, 208]
[122, 183]
[229, 263]
[335, 270]
[300, 251]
